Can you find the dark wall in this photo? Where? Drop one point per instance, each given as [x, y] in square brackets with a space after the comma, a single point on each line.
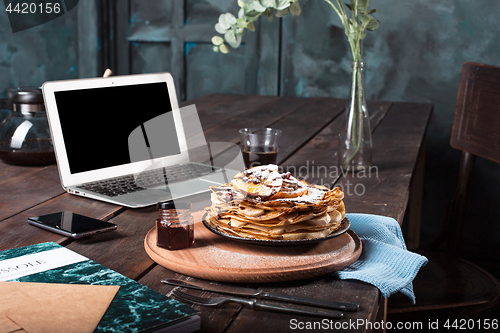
[33, 56]
[64, 48]
[415, 56]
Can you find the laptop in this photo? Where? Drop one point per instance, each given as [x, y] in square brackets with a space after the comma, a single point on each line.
[123, 140]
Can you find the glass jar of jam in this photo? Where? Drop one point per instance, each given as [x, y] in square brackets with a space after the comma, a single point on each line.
[174, 226]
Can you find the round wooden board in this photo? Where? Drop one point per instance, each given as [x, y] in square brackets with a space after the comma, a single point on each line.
[216, 258]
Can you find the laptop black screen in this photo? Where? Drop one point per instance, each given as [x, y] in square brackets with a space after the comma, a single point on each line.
[96, 123]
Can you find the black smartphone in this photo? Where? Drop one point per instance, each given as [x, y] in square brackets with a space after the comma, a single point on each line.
[71, 224]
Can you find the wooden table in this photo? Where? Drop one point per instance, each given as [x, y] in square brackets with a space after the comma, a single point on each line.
[310, 127]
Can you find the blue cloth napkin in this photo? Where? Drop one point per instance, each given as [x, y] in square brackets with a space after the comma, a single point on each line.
[385, 262]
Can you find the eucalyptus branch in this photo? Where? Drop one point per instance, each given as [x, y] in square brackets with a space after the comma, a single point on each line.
[234, 28]
[338, 13]
[341, 7]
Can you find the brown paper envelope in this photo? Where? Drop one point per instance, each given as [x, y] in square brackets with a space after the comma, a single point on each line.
[10, 297]
[8, 326]
[54, 308]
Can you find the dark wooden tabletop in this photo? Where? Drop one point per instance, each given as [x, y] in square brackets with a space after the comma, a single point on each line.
[310, 127]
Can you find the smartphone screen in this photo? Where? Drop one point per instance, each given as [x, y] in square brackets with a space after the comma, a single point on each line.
[71, 224]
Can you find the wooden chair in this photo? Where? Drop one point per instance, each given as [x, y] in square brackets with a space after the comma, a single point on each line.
[448, 286]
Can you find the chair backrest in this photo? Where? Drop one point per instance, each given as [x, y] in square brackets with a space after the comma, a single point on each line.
[476, 131]
[476, 128]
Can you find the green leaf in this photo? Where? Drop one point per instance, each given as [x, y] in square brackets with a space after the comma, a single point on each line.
[371, 11]
[242, 23]
[364, 19]
[295, 9]
[224, 49]
[219, 29]
[372, 24]
[251, 11]
[361, 5]
[268, 3]
[282, 12]
[282, 4]
[232, 39]
[227, 20]
[252, 16]
[254, 6]
[241, 13]
[216, 40]
[251, 26]
[269, 13]
[215, 49]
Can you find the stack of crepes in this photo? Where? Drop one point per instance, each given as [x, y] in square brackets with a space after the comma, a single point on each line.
[261, 203]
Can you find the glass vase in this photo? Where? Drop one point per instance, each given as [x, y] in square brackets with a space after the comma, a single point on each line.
[355, 138]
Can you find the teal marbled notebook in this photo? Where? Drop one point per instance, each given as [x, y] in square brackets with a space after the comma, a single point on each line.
[135, 308]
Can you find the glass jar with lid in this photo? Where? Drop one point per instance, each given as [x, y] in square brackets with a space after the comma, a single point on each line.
[174, 226]
[24, 134]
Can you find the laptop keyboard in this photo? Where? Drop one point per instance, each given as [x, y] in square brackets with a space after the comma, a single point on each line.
[128, 184]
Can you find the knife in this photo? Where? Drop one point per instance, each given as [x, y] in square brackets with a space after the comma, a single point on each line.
[249, 292]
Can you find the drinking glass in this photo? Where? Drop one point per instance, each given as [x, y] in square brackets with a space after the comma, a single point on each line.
[259, 146]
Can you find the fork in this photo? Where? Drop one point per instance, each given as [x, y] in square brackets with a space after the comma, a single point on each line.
[256, 304]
